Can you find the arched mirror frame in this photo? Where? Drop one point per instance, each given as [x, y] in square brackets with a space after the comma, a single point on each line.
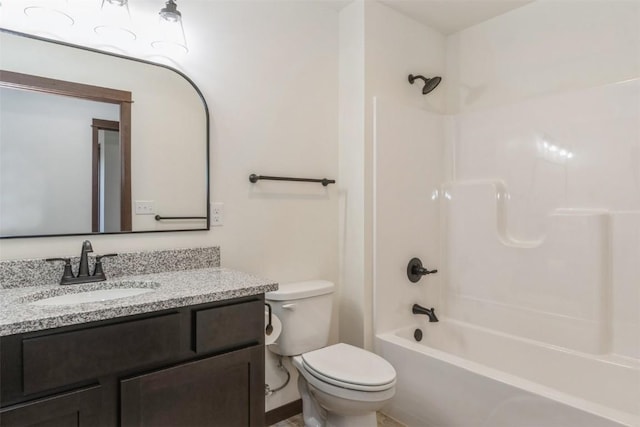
[123, 98]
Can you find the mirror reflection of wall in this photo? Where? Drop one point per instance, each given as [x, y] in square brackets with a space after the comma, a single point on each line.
[169, 147]
[109, 180]
[50, 137]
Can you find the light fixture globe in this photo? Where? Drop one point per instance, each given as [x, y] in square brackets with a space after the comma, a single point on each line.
[170, 37]
[115, 22]
[170, 12]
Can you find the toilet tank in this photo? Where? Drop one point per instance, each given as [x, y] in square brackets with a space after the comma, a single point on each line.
[304, 308]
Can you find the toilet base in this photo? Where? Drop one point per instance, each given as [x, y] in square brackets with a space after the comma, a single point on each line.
[320, 409]
[312, 413]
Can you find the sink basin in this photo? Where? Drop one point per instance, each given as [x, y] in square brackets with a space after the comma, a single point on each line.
[95, 295]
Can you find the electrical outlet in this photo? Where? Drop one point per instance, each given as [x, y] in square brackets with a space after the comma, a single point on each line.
[217, 214]
[144, 207]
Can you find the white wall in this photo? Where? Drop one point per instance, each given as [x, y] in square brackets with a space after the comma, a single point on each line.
[269, 72]
[395, 47]
[405, 150]
[270, 77]
[409, 144]
[379, 49]
[544, 47]
[353, 307]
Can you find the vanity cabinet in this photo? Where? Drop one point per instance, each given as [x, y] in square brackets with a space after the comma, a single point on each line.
[194, 366]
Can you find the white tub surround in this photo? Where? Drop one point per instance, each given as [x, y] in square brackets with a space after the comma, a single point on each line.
[526, 198]
[553, 290]
[542, 219]
[464, 375]
[538, 255]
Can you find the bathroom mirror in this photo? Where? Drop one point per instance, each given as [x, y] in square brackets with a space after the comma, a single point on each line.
[73, 164]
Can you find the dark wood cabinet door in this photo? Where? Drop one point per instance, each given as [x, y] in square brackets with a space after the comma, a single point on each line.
[79, 408]
[225, 390]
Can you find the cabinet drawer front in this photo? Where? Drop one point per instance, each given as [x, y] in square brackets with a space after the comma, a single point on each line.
[77, 408]
[66, 358]
[229, 326]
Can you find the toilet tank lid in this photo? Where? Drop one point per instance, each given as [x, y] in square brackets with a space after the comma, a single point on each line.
[298, 290]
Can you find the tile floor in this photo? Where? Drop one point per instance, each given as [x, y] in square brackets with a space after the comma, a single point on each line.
[296, 421]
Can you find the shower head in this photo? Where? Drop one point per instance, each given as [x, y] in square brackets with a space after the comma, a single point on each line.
[429, 84]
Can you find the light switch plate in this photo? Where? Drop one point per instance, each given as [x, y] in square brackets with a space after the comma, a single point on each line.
[217, 214]
[144, 207]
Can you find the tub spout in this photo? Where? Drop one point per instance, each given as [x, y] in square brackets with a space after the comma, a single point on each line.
[429, 312]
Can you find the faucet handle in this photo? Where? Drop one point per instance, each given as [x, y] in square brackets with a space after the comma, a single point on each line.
[98, 271]
[99, 257]
[59, 259]
[415, 270]
[68, 272]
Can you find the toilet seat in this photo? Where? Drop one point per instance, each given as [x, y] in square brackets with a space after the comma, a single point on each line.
[342, 392]
[350, 367]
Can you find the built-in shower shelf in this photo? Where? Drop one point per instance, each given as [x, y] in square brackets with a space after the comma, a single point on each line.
[553, 289]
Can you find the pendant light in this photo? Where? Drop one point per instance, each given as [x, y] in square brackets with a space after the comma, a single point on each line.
[170, 31]
[115, 21]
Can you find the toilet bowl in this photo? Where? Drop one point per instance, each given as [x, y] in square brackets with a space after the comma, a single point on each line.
[340, 385]
[349, 383]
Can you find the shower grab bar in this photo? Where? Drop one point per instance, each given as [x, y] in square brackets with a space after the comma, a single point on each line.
[162, 218]
[255, 178]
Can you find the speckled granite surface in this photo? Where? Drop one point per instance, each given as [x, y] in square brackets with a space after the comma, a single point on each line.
[171, 289]
[38, 272]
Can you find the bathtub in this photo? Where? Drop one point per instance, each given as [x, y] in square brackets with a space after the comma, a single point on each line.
[466, 376]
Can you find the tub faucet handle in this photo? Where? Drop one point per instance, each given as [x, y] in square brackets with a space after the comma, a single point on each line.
[415, 270]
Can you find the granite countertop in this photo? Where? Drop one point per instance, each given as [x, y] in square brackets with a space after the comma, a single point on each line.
[171, 289]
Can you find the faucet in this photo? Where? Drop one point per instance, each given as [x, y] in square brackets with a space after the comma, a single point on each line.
[430, 313]
[83, 269]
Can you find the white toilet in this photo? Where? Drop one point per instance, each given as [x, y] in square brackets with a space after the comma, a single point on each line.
[340, 385]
